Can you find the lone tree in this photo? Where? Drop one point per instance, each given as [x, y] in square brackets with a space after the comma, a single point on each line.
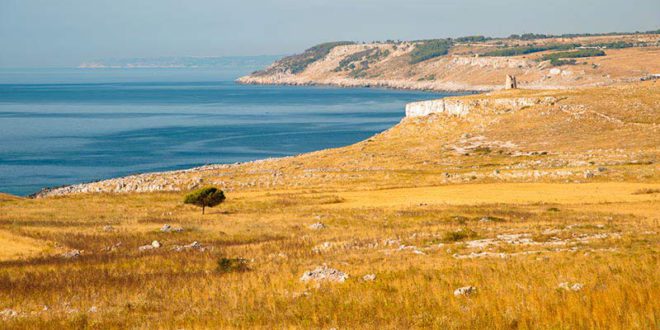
[205, 197]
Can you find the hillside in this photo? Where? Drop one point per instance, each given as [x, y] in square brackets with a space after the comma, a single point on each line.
[511, 209]
[583, 135]
[472, 63]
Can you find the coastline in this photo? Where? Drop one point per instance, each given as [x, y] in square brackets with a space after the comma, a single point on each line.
[372, 83]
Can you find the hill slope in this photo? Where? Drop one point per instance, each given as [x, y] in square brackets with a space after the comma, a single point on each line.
[594, 134]
[473, 64]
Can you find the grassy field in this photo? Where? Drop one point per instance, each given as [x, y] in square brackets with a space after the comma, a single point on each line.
[549, 211]
[409, 246]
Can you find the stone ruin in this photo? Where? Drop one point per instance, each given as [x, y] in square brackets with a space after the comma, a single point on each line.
[511, 82]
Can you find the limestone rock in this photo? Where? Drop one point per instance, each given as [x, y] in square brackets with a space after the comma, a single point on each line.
[8, 313]
[153, 245]
[571, 287]
[465, 291]
[317, 226]
[192, 246]
[324, 274]
[369, 277]
[169, 229]
[72, 254]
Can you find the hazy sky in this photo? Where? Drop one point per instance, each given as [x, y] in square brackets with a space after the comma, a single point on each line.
[67, 32]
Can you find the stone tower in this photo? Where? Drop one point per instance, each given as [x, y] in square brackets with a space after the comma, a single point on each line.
[511, 82]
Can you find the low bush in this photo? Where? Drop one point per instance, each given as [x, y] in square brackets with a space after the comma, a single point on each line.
[560, 58]
[228, 265]
[430, 49]
[515, 51]
[459, 235]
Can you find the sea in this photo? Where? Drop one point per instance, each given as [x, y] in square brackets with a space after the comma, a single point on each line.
[61, 126]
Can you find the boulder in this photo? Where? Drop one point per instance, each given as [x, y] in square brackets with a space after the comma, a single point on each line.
[8, 313]
[192, 246]
[324, 274]
[575, 287]
[72, 254]
[317, 226]
[169, 229]
[465, 291]
[369, 277]
[153, 245]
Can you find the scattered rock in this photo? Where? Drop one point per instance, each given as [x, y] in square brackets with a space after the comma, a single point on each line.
[8, 313]
[551, 232]
[484, 254]
[567, 286]
[324, 274]
[411, 248]
[72, 254]
[391, 242]
[153, 245]
[325, 246]
[465, 291]
[369, 277]
[93, 309]
[192, 246]
[169, 229]
[317, 226]
[108, 228]
[555, 71]
[112, 248]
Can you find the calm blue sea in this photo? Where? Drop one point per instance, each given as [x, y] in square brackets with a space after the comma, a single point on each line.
[69, 126]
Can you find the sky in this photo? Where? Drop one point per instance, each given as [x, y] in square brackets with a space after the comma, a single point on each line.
[45, 33]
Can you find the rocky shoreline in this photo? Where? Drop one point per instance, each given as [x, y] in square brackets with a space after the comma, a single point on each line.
[371, 83]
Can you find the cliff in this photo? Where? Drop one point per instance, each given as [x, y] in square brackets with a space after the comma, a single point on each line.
[553, 63]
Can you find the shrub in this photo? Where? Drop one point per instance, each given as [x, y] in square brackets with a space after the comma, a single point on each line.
[471, 39]
[614, 45]
[429, 49]
[559, 58]
[363, 58]
[459, 235]
[515, 51]
[298, 63]
[205, 197]
[228, 265]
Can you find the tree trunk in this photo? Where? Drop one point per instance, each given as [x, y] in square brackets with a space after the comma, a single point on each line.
[203, 209]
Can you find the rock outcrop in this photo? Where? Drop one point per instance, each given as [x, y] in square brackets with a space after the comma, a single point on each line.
[461, 107]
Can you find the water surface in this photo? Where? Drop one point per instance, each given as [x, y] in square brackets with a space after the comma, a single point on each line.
[53, 134]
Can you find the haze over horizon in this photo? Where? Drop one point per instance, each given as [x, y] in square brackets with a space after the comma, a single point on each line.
[36, 33]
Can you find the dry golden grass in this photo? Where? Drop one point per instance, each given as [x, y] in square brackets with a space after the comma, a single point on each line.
[167, 289]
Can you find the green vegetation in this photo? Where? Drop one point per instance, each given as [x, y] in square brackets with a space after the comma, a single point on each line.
[298, 63]
[459, 235]
[363, 59]
[614, 45]
[557, 59]
[228, 265]
[429, 49]
[472, 39]
[533, 36]
[205, 197]
[515, 51]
